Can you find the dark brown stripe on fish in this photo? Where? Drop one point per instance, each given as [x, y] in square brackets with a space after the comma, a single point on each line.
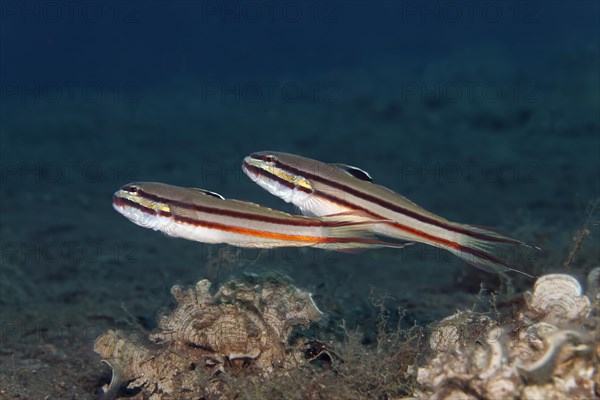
[232, 213]
[345, 203]
[353, 206]
[383, 203]
[119, 201]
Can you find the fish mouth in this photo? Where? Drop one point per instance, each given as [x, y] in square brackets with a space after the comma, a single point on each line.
[117, 201]
[123, 200]
[120, 204]
[250, 170]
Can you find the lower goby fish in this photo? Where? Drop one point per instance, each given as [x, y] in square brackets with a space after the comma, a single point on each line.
[322, 189]
[204, 216]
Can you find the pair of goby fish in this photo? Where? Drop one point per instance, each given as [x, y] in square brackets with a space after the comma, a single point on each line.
[343, 210]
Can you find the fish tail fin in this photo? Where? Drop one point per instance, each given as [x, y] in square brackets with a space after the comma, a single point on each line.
[489, 250]
[496, 236]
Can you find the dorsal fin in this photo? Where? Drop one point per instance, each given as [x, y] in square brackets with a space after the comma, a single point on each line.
[354, 171]
[209, 193]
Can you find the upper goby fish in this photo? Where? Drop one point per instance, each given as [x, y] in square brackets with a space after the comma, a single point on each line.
[322, 189]
[207, 217]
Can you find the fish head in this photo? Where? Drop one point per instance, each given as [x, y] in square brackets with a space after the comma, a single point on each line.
[278, 174]
[142, 204]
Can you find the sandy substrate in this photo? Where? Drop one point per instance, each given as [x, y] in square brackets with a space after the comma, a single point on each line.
[525, 161]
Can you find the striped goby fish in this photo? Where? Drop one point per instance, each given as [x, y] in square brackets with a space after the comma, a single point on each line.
[204, 216]
[321, 189]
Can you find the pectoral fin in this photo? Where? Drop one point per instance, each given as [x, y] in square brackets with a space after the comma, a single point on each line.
[356, 233]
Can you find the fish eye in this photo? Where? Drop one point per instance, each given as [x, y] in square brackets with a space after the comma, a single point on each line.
[270, 158]
[131, 189]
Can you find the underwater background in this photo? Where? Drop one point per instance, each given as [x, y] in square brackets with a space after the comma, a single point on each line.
[483, 112]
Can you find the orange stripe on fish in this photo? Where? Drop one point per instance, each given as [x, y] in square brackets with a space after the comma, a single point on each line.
[204, 216]
[321, 189]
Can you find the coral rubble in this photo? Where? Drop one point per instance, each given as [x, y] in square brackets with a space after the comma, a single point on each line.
[243, 326]
[236, 344]
[549, 351]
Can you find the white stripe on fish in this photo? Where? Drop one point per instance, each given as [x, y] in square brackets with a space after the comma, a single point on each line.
[322, 189]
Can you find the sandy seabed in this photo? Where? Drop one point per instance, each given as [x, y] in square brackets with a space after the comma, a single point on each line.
[517, 151]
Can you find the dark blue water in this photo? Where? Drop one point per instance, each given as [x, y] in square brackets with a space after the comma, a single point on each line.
[152, 41]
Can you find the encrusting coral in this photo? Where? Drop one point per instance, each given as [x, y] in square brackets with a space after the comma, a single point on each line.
[244, 325]
[550, 351]
[236, 344]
